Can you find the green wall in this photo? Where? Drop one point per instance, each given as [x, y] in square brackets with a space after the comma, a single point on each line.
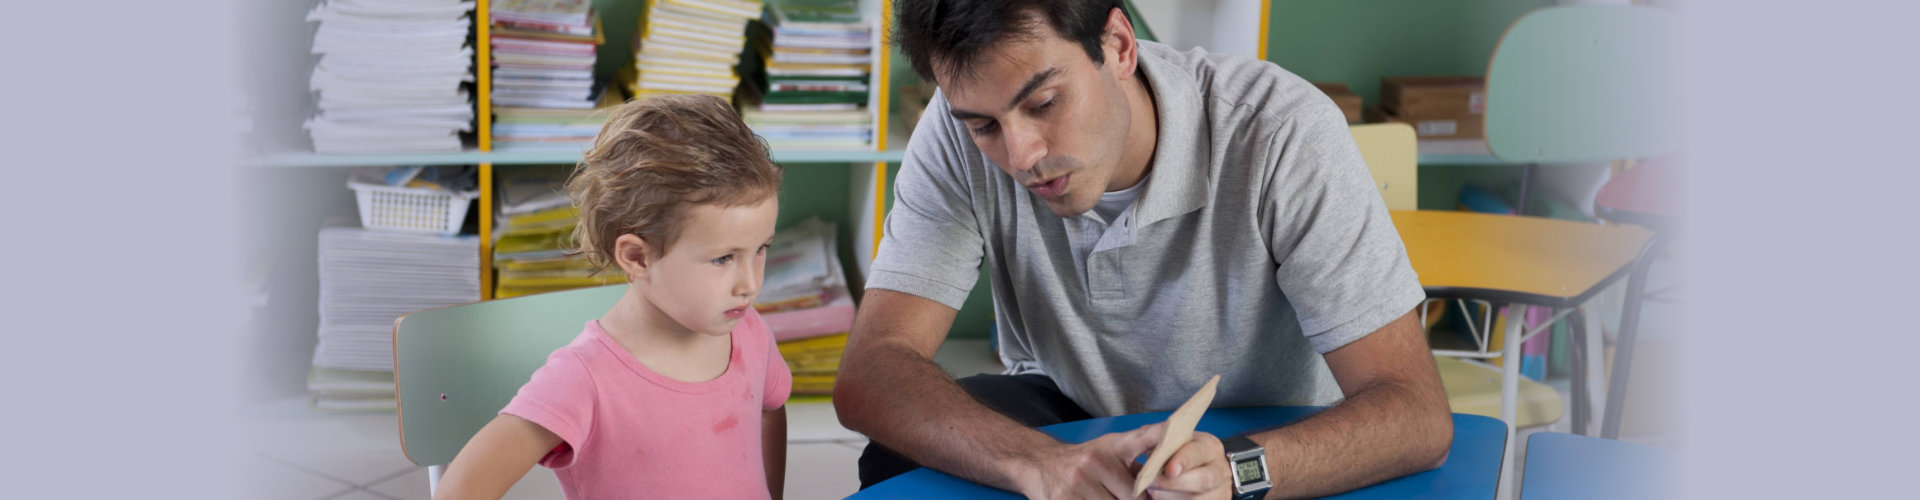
[1359, 41]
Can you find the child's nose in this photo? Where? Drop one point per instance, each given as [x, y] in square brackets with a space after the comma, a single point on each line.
[748, 284]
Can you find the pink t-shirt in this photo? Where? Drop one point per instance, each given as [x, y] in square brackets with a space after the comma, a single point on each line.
[629, 432]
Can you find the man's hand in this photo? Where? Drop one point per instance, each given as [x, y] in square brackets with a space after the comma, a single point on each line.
[1101, 468]
[1198, 470]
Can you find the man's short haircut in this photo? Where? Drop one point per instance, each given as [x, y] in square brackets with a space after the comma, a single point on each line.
[949, 36]
[655, 158]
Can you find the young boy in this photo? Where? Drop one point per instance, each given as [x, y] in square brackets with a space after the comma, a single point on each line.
[678, 391]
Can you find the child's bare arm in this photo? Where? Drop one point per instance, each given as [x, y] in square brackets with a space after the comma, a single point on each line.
[773, 447]
[498, 456]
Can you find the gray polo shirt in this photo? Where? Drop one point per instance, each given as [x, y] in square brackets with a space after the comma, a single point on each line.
[1259, 244]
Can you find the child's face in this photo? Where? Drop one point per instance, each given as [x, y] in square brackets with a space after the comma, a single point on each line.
[711, 275]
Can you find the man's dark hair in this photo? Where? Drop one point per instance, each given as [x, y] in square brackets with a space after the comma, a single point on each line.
[949, 35]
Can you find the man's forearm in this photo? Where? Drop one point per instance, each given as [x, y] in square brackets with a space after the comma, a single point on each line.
[1384, 432]
[902, 400]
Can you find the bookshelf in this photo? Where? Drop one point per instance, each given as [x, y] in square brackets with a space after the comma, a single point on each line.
[867, 165]
[288, 192]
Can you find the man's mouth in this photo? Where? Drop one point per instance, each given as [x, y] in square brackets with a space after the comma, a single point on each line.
[1051, 188]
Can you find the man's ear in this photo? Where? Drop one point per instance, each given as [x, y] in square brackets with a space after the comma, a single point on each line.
[1121, 48]
[631, 255]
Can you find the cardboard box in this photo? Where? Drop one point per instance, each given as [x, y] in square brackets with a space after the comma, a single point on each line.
[1344, 97]
[1433, 97]
[1465, 127]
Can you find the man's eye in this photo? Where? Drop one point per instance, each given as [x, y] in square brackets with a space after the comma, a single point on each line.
[1043, 107]
[986, 129]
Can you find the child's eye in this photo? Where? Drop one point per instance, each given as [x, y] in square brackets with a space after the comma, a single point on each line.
[762, 249]
[723, 260]
[986, 129]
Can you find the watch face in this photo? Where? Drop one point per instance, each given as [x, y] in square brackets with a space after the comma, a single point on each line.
[1249, 471]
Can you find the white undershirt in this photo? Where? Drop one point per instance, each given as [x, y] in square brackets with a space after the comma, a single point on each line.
[1114, 202]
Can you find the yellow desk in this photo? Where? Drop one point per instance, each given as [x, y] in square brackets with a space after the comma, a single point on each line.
[1525, 262]
[1521, 260]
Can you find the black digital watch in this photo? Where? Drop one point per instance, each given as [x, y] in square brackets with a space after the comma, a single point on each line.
[1249, 463]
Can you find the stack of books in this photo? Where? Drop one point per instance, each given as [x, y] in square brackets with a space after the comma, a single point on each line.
[805, 302]
[544, 92]
[368, 279]
[811, 79]
[390, 74]
[530, 250]
[689, 47]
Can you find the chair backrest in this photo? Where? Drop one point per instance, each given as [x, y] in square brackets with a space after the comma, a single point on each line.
[456, 367]
[1392, 154]
[1585, 84]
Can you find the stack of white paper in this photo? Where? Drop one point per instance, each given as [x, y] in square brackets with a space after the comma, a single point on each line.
[368, 279]
[389, 75]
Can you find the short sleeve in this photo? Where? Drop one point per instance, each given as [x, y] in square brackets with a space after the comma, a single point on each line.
[560, 398]
[930, 243]
[779, 384]
[1340, 261]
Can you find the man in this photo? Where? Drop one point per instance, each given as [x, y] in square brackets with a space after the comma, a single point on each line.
[1149, 218]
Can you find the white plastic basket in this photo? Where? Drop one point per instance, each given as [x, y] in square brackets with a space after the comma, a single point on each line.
[410, 210]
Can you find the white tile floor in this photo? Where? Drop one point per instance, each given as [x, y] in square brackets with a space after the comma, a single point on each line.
[297, 454]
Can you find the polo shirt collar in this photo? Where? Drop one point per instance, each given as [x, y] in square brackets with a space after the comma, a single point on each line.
[1182, 157]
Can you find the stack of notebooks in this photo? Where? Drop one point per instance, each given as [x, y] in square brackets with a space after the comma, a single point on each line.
[805, 302]
[389, 76]
[689, 47]
[530, 252]
[544, 92]
[368, 279]
[810, 80]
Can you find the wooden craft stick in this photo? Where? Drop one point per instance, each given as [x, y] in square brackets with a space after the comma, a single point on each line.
[1179, 430]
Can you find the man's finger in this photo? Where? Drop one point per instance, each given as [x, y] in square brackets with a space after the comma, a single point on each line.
[1131, 444]
[1193, 481]
[1197, 453]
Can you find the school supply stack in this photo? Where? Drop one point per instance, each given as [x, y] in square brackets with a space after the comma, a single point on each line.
[689, 47]
[805, 302]
[810, 76]
[389, 77]
[368, 279]
[530, 249]
[544, 91]
[1438, 107]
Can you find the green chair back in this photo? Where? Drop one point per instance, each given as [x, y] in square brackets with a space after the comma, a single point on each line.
[1585, 84]
[456, 367]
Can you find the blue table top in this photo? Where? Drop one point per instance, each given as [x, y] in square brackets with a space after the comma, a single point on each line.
[1472, 469]
[1570, 467]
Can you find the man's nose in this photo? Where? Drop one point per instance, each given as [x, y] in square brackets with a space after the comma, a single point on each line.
[1025, 147]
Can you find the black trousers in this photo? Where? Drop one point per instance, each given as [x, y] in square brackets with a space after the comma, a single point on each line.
[1031, 400]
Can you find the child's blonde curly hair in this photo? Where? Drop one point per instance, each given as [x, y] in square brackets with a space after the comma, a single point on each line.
[658, 156]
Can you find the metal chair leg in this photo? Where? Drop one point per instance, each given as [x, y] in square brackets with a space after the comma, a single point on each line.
[1510, 390]
[1577, 350]
[433, 478]
[1629, 330]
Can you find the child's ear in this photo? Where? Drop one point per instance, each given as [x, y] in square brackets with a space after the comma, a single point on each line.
[630, 253]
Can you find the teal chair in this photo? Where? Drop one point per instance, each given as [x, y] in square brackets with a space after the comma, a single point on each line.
[455, 367]
[1587, 84]
[1583, 84]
